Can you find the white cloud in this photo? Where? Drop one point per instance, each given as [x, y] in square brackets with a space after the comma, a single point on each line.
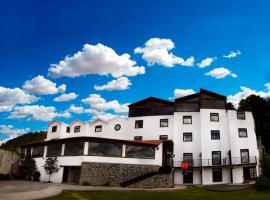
[206, 62]
[10, 97]
[76, 109]
[219, 73]
[95, 101]
[232, 54]
[5, 108]
[36, 113]
[157, 51]
[267, 85]
[43, 86]
[11, 132]
[121, 83]
[66, 97]
[106, 116]
[245, 92]
[182, 92]
[96, 59]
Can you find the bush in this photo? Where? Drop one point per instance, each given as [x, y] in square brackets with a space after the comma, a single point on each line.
[36, 176]
[265, 165]
[263, 183]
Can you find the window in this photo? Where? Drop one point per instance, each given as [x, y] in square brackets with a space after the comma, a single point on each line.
[217, 174]
[187, 137]
[164, 123]
[214, 117]
[105, 149]
[137, 137]
[163, 137]
[244, 155]
[54, 150]
[242, 132]
[215, 135]
[77, 129]
[187, 120]
[117, 127]
[38, 151]
[133, 151]
[74, 149]
[139, 124]
[68, 129]
[98, 128]
[241, 115]
[188, 157]
[54, 129]
[216, 157]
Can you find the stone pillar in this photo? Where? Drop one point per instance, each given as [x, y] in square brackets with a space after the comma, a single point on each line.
[63, 150]
[86, 146]
[124, 150]
[45, 151]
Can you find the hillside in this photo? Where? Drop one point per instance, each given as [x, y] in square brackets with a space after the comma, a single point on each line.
[15, 144]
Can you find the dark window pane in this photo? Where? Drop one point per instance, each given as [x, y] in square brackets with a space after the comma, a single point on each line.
[140, 151]
[217, 174]
[215, 135]
[98, 128]
[242, 132]
[163, 137]
[163, 111]
[241, 115]
[139, 124]
[54, 129]
[164, 123]
[68, 130]
[38, 151]
[244, 155]
[54, 150]
[216, 158]
[187, 137]
[105, 149]
[137, 137]
[214, 117]
[74, 149]
[187, 107]
[77, 129]
[187, 120]
[213, 104]
[137, 112]
[188, 157]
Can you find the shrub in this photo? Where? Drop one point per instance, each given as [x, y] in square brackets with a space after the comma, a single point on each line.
[27, 168]
[36, 176]
[265, 165]
[263, 183]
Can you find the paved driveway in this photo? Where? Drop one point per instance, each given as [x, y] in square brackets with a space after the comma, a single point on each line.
[27, 190]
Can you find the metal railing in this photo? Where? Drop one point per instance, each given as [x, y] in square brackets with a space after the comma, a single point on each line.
[218, 162]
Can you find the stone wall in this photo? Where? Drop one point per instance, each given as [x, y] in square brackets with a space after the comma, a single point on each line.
[8, 162]
[160, 180]
[112, 174]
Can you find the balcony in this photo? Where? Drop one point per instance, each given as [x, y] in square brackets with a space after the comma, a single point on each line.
[234, 161]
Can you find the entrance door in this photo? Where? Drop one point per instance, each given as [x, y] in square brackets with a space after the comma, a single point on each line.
[167, 157]
[65, 175]
[71, 174]
[188, 176]
[249, 173]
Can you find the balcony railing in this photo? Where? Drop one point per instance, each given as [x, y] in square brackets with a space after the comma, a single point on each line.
[218, 162]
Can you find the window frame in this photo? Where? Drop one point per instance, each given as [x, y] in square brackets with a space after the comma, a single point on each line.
[241, 151]
[165, 136]
[212, 131]
[185, 117]
[214, 114]
[164, 120]
[77, 127]
[54, 129]
[241, 129]
[141, 138]
[138, 121]
[241, 113]
[97, 127]
[219, 152]
[185, 133]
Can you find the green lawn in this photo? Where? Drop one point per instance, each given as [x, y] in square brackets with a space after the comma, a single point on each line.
[193, 192]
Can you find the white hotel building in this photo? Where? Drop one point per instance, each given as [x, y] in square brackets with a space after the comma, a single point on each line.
[147, 149]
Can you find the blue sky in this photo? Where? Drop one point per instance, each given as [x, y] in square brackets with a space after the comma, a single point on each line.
[174, 37]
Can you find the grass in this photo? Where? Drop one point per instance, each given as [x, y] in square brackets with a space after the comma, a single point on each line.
[191, 193]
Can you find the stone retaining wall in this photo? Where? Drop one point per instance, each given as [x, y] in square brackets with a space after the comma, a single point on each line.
[112, 174]
[8, 160]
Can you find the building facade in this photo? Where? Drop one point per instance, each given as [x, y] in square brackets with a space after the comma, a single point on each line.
[193, 140]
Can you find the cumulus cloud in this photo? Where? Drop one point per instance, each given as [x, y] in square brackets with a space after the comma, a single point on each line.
[66, 97]
[96, 59]
[206, 62]
[232, 54]
[245, 92]
[5, 108]
[36, 113]
[95, 101]
[121, 83]
[11, 132]
[182, 92]
[10, 97]
[157, 51]
[219, 73]
[76, 109]
[42, 86]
